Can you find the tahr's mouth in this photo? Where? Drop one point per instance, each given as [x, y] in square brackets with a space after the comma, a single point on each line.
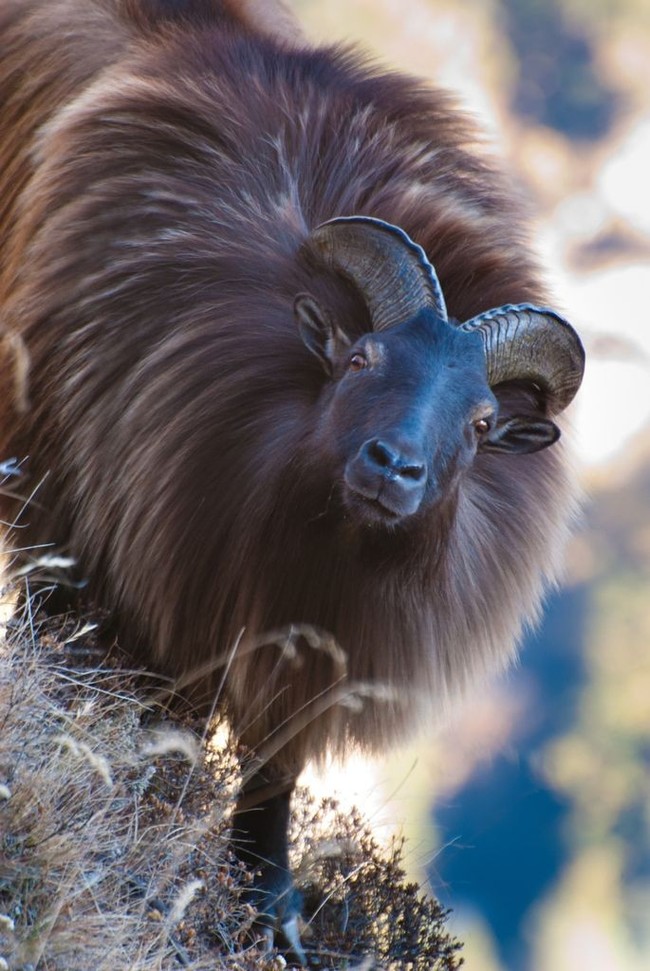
[371, 510]
[378, 493]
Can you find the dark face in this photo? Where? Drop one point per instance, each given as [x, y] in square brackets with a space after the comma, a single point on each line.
[406, 412]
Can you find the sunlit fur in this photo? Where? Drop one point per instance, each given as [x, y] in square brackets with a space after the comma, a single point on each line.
[157, 178]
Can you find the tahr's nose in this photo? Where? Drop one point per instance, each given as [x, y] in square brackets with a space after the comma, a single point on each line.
[389, 473]
[392, 461]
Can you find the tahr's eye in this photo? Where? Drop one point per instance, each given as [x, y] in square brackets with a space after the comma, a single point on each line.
[358, 362]
[482, 426]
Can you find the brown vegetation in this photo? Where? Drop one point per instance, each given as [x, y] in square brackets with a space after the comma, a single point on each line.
[114, 823]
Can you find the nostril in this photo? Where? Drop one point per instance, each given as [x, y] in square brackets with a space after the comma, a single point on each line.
[381, 454]
[414, 472]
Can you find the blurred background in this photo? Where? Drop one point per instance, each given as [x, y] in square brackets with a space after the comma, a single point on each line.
[530, 816]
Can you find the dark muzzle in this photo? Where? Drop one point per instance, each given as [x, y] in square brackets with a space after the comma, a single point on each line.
[389, 476]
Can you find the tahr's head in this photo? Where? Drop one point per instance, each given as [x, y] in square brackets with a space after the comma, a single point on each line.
[411, 403]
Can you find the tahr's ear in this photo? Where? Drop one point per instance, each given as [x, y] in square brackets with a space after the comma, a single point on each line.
[521, 435]
[320, 335]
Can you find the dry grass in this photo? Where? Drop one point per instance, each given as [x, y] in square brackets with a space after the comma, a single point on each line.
[114, 824]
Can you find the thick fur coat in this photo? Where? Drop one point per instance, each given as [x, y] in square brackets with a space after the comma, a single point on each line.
[158, 175]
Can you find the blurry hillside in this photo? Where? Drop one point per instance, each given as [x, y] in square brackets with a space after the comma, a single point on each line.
[540, 832]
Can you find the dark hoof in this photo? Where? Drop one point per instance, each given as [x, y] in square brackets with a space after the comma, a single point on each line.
[278, 904]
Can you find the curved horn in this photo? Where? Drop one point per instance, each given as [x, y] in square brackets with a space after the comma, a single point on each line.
[391, 272]
[528, 343]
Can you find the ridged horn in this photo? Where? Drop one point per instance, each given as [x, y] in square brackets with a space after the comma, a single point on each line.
[391, 272]
[528, 343]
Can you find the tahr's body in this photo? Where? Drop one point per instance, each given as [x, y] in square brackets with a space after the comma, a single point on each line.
[237, 420]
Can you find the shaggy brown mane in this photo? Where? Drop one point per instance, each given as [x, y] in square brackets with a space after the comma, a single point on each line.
[122, 251]
[161, 168]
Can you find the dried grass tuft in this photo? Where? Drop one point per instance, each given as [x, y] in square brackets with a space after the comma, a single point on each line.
[114, 822]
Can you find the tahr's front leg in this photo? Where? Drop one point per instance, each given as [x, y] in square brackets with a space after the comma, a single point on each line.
[260, 838]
